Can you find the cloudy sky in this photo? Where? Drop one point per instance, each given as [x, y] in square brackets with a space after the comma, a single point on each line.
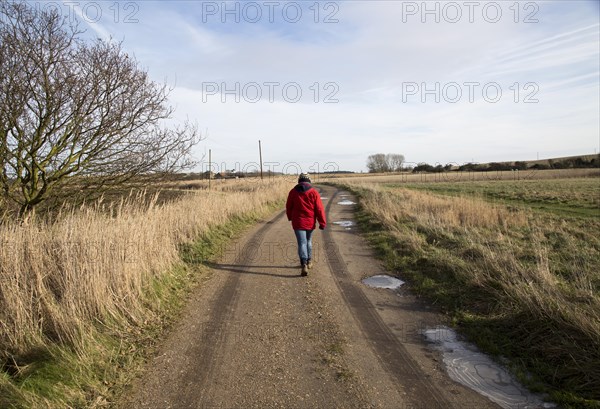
[325, 84]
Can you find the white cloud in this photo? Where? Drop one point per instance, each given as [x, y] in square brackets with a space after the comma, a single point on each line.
[369, 54]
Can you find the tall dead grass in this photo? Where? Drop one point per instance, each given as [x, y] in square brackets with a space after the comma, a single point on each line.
[93, 266]
[438, 211]
[534, 280]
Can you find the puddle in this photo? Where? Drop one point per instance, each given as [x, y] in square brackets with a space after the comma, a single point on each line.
[345, 223]
[466, 365]
[383, 281]
[346, 203]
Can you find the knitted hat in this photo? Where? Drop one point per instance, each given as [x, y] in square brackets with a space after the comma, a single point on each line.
[304, 178]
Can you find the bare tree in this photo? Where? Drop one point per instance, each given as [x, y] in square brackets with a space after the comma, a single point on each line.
[394, 161]
[377, 163]
[380, 162]
[77, 115]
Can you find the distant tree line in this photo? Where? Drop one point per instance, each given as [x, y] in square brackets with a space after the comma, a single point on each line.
[492, 166]
[381, 162]
[571, 163]
[427, 168]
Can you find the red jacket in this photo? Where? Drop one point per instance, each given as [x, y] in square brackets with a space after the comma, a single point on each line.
[304, 207]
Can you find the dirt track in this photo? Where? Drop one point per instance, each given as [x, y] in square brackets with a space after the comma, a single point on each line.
[257, 335]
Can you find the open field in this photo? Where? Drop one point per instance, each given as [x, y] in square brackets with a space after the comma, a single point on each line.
[570, 192]
[454, 176]
[568, 197]
[515, 263]
[76, 292]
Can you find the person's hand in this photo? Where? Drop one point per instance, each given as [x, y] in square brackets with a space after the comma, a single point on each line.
[321, 227]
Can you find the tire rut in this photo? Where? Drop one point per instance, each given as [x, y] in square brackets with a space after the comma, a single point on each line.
[393, 356]
[215, 330]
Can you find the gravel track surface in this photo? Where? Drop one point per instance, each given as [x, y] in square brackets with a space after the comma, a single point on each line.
[258, 335]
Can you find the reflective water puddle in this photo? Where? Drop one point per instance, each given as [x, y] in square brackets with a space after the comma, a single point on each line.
[466, 365]
[346, 203]
[345, 223]
[383, 281]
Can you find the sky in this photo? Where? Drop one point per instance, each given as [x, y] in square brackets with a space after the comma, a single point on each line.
[323, 85]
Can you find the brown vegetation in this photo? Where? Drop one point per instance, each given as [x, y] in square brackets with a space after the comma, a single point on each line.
[522, 284]
[93, 266]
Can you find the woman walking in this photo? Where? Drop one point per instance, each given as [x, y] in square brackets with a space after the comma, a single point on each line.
[304, 208]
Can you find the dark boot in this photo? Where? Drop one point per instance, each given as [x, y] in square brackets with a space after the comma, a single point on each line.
[304, 272]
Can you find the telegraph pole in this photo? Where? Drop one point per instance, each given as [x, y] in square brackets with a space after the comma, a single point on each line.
[209, 167]
[260, 155]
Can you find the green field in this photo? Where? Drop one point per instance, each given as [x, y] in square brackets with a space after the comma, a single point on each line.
[578, 197]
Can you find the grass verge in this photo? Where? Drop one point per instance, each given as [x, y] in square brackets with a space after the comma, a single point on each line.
[111, 353]
[523, 288]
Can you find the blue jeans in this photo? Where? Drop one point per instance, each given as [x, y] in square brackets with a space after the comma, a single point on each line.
[304, 239]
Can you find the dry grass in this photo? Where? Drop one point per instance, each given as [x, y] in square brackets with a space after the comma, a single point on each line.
[93, 266]
[526, 284]
[453, 176]
[442, 212]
